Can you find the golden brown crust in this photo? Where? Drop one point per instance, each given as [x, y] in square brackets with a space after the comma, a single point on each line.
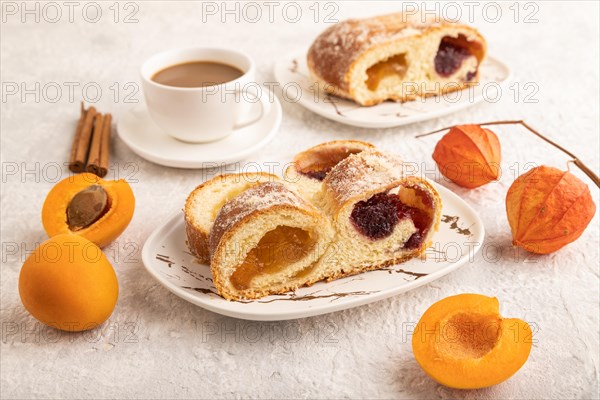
[197, 241]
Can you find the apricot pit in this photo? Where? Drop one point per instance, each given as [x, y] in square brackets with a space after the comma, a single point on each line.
[87, 207]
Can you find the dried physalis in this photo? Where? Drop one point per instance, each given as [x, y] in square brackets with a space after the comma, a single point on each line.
[469, 156]
[547, 209]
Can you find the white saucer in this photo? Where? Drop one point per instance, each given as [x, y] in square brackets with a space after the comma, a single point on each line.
[137, 129]
[495, 75]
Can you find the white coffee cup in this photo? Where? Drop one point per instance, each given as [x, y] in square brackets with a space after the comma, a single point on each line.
[208, 113]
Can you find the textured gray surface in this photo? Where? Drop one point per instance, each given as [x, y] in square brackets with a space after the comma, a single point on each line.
[157, 345]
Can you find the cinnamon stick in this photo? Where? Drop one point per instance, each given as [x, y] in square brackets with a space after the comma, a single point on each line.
[81, 141]
[94, 153]
[99, 149]
[75, 165]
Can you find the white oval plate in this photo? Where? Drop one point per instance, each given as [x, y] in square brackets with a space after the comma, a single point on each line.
[137, 129]
[167, 258]
[293, 70]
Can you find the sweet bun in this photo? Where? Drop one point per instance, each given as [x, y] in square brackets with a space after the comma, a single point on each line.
[396, 57]
[354, 210]
[266, 241]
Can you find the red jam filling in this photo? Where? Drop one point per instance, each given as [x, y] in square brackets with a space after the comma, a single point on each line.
[376, 217]
[452, 52]
[318, 175]
[449, 58]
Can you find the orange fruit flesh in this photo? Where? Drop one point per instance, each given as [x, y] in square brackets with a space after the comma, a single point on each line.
[463, 342]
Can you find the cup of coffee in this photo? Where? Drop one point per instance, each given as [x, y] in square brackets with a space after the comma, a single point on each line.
[202, 94]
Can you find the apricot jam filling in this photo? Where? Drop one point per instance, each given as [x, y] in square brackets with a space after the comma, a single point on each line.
[377, 217]
[394, 65]
[469, 335]
[451, 54]
[276, 250]
[317, 164]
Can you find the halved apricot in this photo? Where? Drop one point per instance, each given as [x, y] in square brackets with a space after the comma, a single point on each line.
[462, 342]
[89, 206]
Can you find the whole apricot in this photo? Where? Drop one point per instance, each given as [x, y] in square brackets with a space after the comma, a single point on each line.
[86, 205]
[68, 283]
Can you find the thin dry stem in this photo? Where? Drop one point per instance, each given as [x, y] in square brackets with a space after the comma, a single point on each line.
[586, 170]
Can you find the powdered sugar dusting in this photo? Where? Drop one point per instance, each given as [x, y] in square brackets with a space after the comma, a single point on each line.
[259, 197]
[363, 172]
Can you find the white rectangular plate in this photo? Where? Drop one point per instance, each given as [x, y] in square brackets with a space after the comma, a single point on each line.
[167, 258]
[292, 72]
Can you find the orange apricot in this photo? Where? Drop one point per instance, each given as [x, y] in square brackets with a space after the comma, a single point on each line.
[88, 206]
[68, 283]
[462, 342]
